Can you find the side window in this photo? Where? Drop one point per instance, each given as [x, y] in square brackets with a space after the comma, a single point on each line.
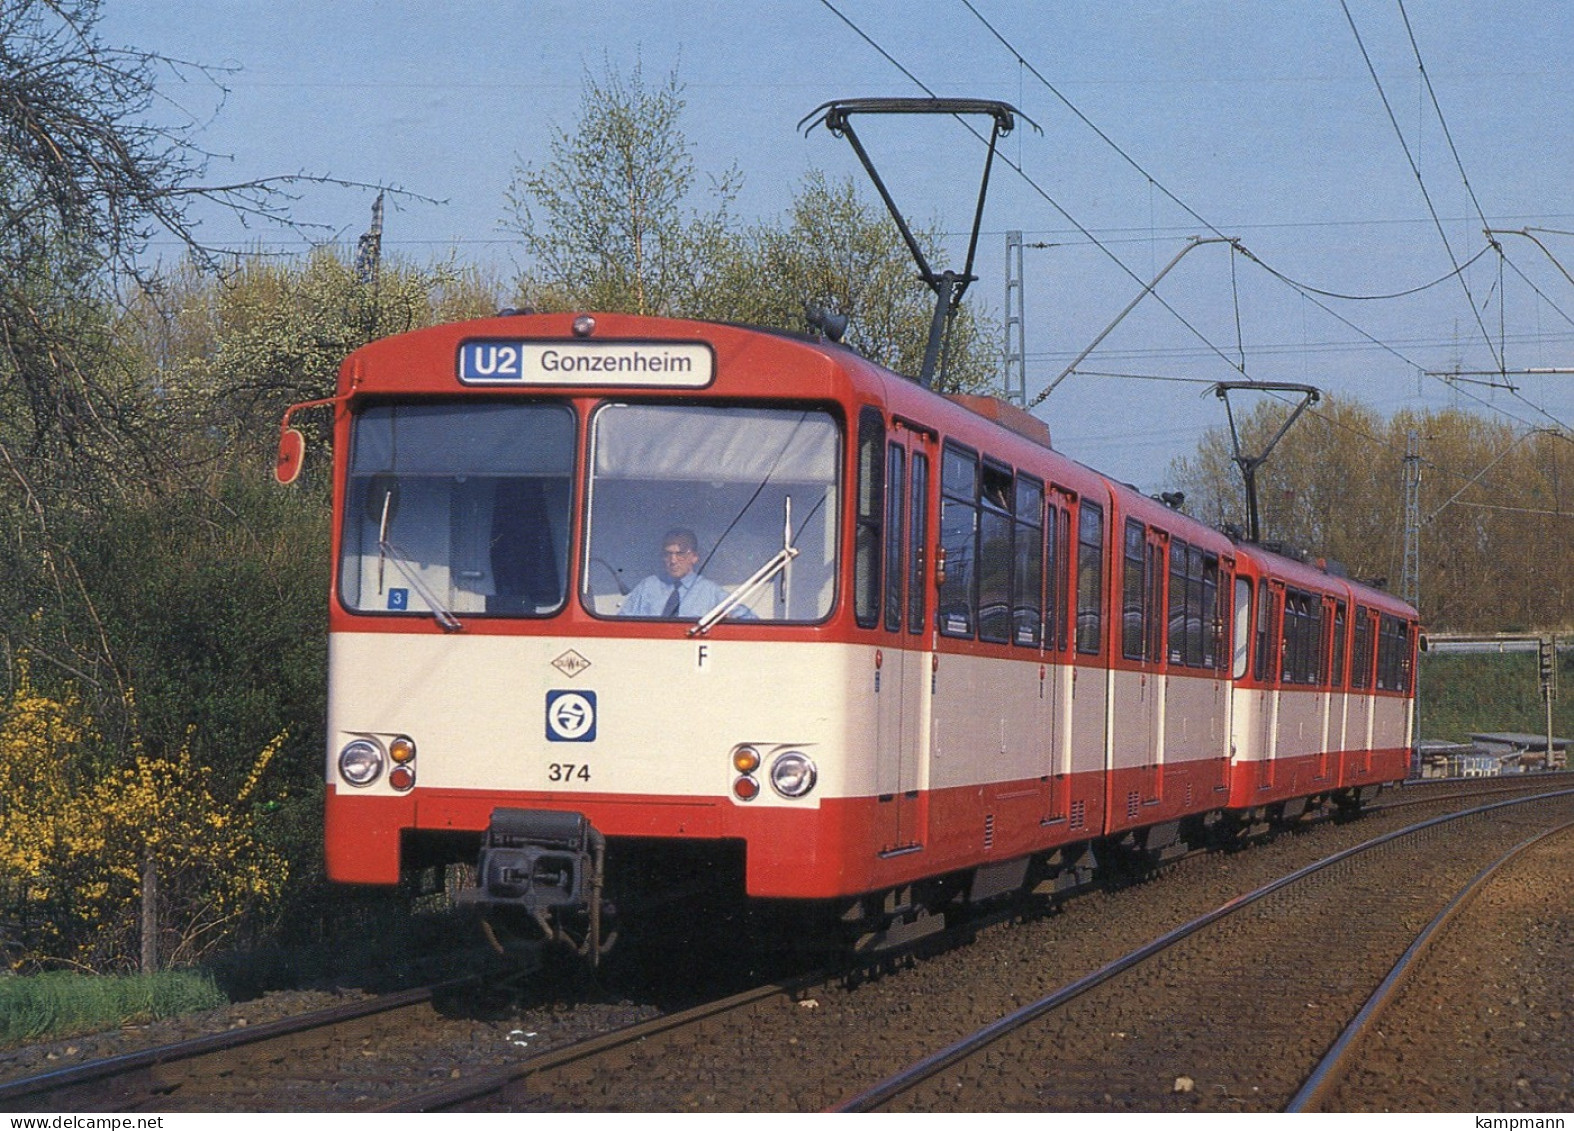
[1385, 654]
[1243, 623]
[994, 553]
[1325, 652]
[1134, 580]
[1090, 578]
[1295, 634]
[1027, 588]
[1267, 632]
[1393, 655]
[1056, 565]
[895, 533]
[1407, 656]
[918, 529]
[1194, 612]
[958, 538]
[871, 502]
[1339, 644]
[1319, 665]
[1302, 630]
[1179, 608]
[1361, 660]
[1212, 615]
[1209, 627]
[1153, 613]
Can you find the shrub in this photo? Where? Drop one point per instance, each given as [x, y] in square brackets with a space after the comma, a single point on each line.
[80, 826]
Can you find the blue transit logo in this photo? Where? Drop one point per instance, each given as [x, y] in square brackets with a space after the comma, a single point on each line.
[571, 716]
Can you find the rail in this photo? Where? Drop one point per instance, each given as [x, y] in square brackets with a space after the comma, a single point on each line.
[1331, 1069]
[882, 1093]
[110, 1067]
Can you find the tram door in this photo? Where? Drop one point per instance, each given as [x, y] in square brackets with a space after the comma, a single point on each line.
[903, 676]
[1058, 599]
[1155, 683]
[1139, 712]
[1270, 606]
[1327, 698]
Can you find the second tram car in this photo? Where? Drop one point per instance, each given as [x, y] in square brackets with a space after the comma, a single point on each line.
[625, 608]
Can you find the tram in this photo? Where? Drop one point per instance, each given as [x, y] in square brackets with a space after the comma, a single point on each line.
[627, 611]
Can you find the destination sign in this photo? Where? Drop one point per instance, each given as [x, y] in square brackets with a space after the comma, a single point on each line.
[676, 365]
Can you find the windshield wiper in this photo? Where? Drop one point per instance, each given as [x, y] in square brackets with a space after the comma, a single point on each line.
[761, 576]
[387, 551]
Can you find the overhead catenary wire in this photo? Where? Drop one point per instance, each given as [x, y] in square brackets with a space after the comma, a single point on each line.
[1307, 288]
[1155, 183]
[1181, 204]
[1437, 108]
[1032, 184]
[1311, 294]
[1416, 169]
[1481, 214]
[1526, 232]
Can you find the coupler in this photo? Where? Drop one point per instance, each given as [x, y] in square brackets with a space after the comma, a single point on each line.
[550, 867]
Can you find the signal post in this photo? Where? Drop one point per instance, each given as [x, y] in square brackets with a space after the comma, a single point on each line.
[1547, 649]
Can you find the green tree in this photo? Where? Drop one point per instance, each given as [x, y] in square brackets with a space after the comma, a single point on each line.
[182, 597]
[152, 577]
[76, 843]
[1331, 485]
[186, 573]
[1497, 534]
[838, 253]
[608, 221]
[228, 354]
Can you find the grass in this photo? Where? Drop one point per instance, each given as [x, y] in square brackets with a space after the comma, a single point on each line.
[1459, 695]
[42, 1007]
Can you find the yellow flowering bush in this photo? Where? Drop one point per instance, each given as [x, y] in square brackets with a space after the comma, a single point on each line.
[40, 738]
[79, 825]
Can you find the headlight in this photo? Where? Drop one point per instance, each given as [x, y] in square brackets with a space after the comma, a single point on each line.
[361, 762]
[793, 774]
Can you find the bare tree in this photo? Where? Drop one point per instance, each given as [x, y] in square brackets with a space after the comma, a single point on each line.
[96, 160]
[1496, 515]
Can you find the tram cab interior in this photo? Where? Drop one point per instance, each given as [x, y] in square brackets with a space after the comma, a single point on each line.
[465, 508]
[748, 481]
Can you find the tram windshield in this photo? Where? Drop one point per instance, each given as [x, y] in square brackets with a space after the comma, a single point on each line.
[458, 508]
[741, 484]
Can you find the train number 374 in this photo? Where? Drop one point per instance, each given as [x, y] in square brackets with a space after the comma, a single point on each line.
[568, 772]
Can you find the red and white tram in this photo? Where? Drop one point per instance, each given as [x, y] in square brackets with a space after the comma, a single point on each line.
[944, 662]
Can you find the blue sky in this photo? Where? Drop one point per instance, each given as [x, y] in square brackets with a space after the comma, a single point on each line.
[1261, 118]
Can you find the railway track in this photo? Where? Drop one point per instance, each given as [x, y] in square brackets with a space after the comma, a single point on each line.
[333, 1062]
[1358, 1071]
[215, 1069]
[692, 1056]
[1144, 1032]
[1437, 790]
[598, 1063]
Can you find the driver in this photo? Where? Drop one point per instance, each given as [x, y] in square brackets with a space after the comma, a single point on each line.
[679, 592]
